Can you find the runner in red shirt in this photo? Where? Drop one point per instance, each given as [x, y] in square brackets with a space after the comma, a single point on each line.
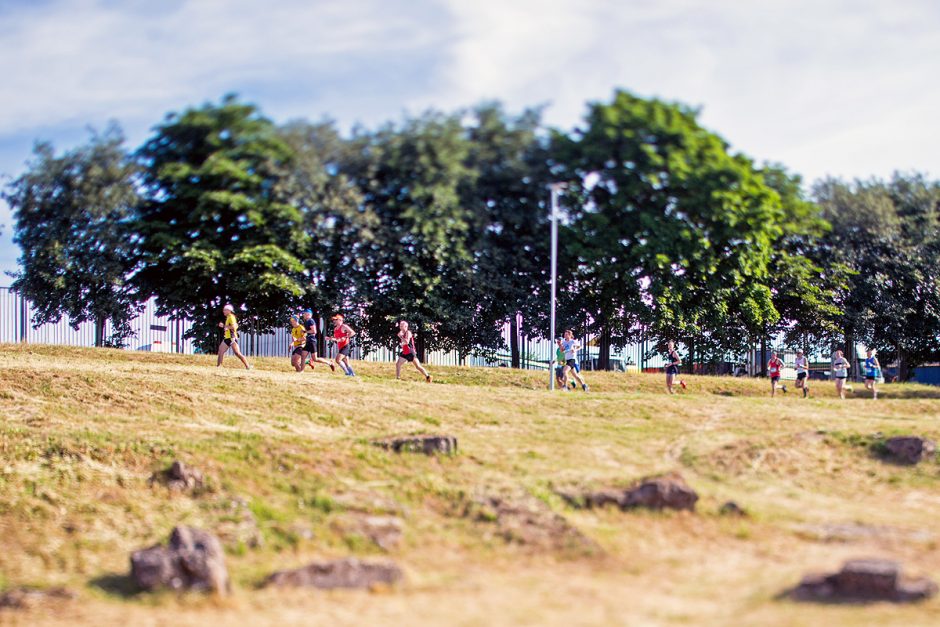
[342, 334]
[406, 344]
[774, 368]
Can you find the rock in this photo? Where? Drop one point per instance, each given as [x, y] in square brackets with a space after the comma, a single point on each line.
[343, 573]
[529, 522]
[862, 581]
[732, 509]
[25, 598]
[908, 450]
[427, 444]
[179, 477]
[383, 531]
[665, 492]
[192, 560]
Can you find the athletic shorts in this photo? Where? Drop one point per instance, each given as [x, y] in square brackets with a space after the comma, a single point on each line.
[345, 350]
[310, 346]
[775, 378]
[800, 376]
[672, 369]
[408, 357]
[572, 363]
[842, 376]
[298, 351]
[559, 372]
[870, 377]
[228, 341]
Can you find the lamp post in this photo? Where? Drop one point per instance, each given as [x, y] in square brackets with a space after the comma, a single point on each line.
[556, 189]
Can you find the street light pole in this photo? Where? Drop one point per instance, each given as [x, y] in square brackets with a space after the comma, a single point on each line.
[555, 190]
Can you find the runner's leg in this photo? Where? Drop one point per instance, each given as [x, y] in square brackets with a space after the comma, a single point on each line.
[421, 369]
[398, 364]
[238, 354]
[223, 348]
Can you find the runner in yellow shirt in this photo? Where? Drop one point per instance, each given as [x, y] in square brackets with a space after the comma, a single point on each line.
[230, 337]
[298, 336]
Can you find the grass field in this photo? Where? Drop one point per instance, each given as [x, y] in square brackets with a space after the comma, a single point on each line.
[82, 430]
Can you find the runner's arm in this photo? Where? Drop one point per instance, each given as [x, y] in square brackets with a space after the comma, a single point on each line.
[349, 331]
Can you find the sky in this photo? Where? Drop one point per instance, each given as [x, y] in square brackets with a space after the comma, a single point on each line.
[841, 88]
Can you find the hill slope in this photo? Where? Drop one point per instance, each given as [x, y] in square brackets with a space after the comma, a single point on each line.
[292, 476]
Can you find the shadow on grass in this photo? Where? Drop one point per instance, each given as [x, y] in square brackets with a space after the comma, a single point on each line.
[118, 585]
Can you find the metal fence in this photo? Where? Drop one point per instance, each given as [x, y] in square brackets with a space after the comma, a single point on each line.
[165, 334]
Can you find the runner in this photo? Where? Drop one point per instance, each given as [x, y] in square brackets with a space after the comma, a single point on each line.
[342, 334]
[801, 364]
[840, 371]
[570, 346]
[560, 365]
[298, 340]
[406, 343]
[774, 366]
[230, 337]
[672, 367]
[310, 343]
[872, 373]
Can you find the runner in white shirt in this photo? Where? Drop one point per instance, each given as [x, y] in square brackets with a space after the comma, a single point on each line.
[801, 364]
[571, 346]
[840, 372]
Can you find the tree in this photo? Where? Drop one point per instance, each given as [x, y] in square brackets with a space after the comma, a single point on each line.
[509, 233]
[338, 225]
[419, 264]
[889, 234]
[676, 233]
[805, 278]
[72, 216]
[216, 225]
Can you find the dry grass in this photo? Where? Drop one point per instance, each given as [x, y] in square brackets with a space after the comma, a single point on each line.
[82, 430]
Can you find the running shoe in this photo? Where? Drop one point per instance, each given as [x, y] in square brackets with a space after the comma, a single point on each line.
[428, 378]
[682, 383]
[784, 388]
[584, 387]
[332, 367]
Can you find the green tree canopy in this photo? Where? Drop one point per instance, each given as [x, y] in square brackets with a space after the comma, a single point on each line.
[216, 225]
[72, 216]
[677, 232]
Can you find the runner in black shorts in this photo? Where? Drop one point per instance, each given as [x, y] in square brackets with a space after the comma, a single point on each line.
[406, 352]
[298, 339]
[310, 343]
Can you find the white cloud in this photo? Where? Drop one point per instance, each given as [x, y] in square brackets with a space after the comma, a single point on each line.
[836, 87]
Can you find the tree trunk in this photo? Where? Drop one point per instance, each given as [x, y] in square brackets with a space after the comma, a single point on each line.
[99, 331]
[514, 341]
[850, 355]
[904, 369]
[420, 347]
[603, 355]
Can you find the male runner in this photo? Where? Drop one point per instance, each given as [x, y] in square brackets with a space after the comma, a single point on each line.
[571, 346]
[560, 365]
[406, 344]
[342, 334]
[230, 337]
[310, 343]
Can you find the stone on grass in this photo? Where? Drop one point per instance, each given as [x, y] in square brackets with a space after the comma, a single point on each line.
[908, 450]
[342, 573]
[863, 581]
[427, 444]
[192, 560]
[25, 598]
[529, 522]
[179, 477]
[732, 509]
[664, 492]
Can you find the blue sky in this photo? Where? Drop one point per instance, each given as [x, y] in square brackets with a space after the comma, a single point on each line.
[827, 87]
